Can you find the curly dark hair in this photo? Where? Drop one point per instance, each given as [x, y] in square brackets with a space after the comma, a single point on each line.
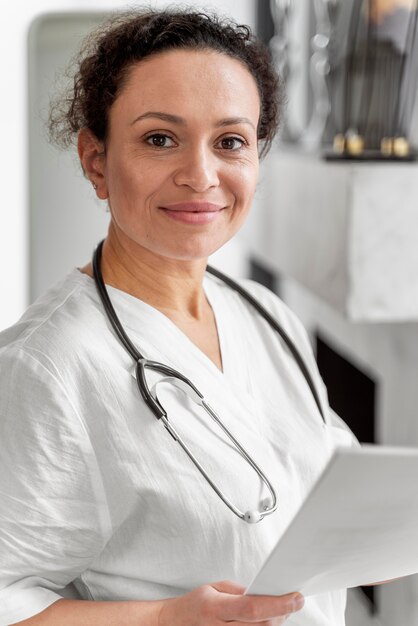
[104, 60]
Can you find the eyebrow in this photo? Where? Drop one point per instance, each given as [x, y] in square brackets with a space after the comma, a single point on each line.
[176, 119]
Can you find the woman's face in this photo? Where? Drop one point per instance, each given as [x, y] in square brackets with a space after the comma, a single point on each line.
[181, 160]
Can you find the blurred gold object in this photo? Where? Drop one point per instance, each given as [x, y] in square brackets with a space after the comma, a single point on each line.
[401, 147]
[339, 143]
[386, 146]
[354, 144]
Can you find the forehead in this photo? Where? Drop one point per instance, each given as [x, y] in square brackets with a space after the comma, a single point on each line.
[189, 81]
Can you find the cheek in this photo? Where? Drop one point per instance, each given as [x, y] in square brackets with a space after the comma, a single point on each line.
[128, 182]
[245, 181]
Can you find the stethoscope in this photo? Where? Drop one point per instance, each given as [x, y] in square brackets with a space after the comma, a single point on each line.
[172, 376]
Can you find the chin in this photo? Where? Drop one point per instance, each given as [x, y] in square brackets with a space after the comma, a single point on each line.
[195, 253]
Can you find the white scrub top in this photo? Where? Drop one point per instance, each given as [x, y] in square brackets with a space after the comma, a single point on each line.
[94, 490]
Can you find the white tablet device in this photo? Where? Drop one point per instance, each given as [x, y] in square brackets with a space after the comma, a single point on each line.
[358, 525]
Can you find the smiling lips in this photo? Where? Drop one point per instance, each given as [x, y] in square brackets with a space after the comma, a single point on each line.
[193, 212]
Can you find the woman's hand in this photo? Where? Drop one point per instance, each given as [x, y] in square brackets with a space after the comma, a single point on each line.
[224, 603]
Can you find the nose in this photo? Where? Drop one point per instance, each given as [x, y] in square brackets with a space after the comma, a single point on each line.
[198, 169]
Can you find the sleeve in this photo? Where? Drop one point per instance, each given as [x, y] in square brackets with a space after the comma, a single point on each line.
[342, 435]
[53, 516]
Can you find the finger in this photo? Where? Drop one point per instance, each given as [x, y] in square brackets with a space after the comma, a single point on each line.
[255, 609]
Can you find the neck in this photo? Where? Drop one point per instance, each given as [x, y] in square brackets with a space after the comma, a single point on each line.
[169, 285]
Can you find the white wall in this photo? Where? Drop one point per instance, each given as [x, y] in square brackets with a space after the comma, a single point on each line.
[48, 184]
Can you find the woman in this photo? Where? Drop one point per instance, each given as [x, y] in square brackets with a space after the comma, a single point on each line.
[171, 111]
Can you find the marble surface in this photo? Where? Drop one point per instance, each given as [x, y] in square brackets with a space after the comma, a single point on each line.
[346, 231]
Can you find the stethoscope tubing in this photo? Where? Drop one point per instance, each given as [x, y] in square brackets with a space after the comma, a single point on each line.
[183, 383]
[273, 323]
[136, 355]
[242, 451]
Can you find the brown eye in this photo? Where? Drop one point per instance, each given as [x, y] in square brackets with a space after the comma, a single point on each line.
[160, 141]
[231, 143]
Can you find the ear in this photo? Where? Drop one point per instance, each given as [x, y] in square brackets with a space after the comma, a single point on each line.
[93, 159]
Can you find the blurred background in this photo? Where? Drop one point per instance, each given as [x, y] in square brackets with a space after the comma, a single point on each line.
[334, 226]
